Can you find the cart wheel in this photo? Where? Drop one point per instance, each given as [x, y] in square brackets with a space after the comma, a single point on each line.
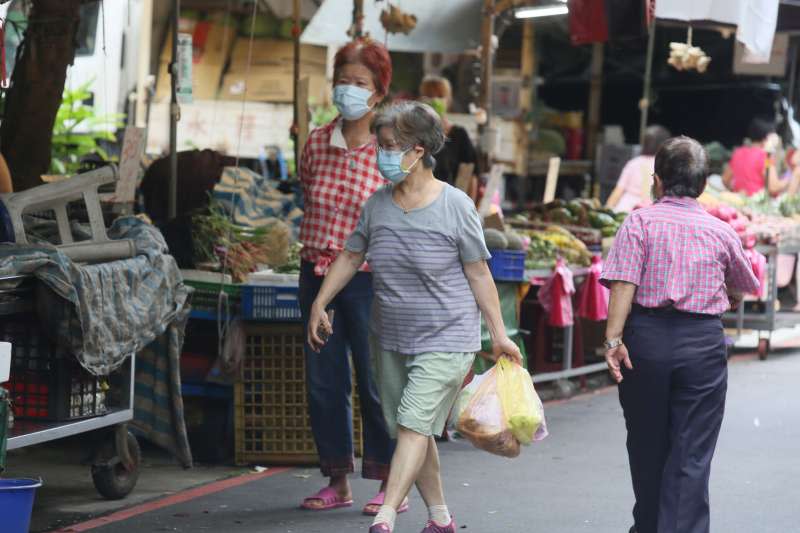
[112, 479]
[763, 349]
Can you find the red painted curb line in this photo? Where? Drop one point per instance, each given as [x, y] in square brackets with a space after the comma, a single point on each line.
[173, 499]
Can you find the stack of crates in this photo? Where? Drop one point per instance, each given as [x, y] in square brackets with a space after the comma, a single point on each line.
[47, 383]
[271, 408]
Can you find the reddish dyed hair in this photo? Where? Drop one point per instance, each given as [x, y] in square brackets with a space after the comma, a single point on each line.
[372, 55]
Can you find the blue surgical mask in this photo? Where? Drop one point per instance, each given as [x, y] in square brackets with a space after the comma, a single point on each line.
[390, 165]
[351, 101]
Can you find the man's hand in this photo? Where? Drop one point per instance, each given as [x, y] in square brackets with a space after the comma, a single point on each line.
[614, 358]
[735, 300]
[505, 347]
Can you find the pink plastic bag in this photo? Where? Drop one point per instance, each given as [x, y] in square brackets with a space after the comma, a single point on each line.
[556, 296]
[759, 264]
[592, 296]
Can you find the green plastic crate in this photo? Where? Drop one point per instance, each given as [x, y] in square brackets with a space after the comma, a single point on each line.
[205, 299]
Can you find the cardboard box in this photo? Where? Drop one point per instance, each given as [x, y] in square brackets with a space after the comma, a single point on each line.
[205, 81]
[270, 84]
[278, 52]
[212, 42]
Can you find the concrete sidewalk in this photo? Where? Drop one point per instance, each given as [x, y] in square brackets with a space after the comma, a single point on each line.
[575, 481]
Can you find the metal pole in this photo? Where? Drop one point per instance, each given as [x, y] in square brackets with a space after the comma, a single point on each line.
[174, 116]
[644, 105]
[145, 29]
[487, 31]
[296, 31]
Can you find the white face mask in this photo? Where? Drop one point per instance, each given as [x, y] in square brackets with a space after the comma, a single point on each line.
[352, 101]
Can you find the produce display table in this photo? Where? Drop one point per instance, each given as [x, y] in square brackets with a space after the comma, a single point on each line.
[570, 337]
[767, 319]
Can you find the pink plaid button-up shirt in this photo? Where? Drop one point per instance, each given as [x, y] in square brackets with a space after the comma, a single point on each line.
[336, 182]
[679, 256]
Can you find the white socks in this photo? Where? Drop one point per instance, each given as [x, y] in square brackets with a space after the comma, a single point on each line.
[386, 515]
[440, 515]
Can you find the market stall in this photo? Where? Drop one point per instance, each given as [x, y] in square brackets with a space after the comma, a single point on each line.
[770, 232]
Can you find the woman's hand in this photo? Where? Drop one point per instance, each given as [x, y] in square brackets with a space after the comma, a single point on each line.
[616, 357]
[319, 327]
[505, 347]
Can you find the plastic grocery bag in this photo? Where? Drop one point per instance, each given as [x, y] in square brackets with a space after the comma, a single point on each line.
[522, 407]
[592, 296]
[556, 295]
[501, 411]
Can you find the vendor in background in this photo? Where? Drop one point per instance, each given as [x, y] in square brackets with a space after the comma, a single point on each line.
[338, 172]
[437, 92]
[752, 167]
[636, 180]
[5, 177]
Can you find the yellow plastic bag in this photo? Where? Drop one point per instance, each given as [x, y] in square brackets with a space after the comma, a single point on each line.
[482, 421]
[499, 410]
[522, 408]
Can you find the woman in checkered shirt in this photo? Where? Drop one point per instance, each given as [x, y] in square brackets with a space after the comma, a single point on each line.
[338, 173]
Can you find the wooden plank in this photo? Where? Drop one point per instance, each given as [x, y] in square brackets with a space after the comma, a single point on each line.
[526, 95]
[595, 100]
[464, 177]
[552, 180]
[303, 117]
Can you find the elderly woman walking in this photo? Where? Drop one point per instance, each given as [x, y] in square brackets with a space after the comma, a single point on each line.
[673, 271]
[338, 173]
[425, 247]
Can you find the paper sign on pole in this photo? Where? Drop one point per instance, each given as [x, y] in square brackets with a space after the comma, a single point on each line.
[185, 52]
[552, 179]
[130, 162]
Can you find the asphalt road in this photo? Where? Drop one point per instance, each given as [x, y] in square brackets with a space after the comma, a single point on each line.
[575, 481]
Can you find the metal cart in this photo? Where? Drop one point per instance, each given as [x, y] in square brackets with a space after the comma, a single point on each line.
[116, 460]
[766, 319]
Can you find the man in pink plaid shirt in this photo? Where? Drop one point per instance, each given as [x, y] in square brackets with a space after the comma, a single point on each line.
[673, 271]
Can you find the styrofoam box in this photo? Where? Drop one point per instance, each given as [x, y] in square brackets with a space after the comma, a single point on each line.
[273, 280]
[5, 361]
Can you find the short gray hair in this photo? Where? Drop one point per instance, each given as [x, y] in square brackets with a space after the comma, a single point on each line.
[414, 124]
[682, 165]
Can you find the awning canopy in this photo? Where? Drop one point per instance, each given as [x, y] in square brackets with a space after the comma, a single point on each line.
[450, 29]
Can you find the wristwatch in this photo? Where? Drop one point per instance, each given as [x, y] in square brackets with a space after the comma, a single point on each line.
[610, 344]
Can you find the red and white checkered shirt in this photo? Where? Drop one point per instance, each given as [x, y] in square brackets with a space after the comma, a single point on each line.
[336, 182]
[679, 256]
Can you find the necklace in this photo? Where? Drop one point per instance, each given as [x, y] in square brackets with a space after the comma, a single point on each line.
[402, 206]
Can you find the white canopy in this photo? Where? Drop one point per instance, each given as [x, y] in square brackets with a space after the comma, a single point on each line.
[450, 29]
[755, 19]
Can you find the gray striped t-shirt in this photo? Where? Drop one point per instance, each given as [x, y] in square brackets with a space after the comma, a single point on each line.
[423, 301]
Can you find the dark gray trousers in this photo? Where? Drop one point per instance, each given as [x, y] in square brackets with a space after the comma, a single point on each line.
[674, 401]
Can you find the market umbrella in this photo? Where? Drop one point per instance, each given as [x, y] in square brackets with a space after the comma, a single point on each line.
[448, 30]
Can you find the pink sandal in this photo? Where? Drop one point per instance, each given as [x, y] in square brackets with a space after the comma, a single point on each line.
[329, 499]
[377, 501]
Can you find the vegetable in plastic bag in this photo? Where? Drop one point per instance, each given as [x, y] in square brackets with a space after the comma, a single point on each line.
[502, 411]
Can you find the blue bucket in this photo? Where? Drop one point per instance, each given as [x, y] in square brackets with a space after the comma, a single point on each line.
[16, 503]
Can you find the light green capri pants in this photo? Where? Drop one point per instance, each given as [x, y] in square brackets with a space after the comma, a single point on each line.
[418, 391]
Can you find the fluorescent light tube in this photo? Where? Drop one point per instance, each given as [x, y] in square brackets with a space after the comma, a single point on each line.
[542, 11]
